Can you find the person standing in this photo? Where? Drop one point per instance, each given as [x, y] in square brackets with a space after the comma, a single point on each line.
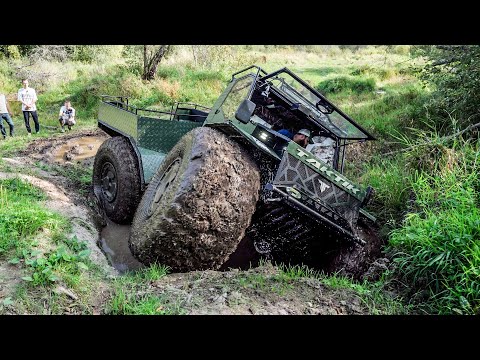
[67, 115]
[28, 97]
[5, 113]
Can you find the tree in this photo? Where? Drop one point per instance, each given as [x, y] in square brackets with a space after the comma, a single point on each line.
[454, 72]
[152, 55]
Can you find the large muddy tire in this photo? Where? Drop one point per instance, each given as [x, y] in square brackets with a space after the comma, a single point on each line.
[116, 179]
[197, 206]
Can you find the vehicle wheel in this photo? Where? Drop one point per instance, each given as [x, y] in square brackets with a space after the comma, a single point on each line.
[116, 179]
[196, 208]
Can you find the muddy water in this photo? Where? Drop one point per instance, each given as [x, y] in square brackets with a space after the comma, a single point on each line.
[114, 243]
[78, 149]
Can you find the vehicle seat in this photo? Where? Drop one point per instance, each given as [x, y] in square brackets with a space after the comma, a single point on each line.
[323, 148]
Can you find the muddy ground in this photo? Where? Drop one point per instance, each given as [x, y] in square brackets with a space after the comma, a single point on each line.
[260, 290]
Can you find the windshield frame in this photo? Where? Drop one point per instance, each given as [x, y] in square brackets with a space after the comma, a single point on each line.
[368, 136]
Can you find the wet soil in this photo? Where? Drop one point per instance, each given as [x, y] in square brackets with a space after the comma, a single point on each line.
[77, 149]
[114, 243]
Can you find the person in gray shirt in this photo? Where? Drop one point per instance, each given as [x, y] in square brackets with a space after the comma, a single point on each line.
[5, 113]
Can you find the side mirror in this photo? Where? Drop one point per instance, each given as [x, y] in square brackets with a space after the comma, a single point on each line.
[245, 111]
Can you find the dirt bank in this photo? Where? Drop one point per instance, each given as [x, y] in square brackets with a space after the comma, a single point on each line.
[259, 291]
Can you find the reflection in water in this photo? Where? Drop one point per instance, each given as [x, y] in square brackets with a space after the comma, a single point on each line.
[114, 243]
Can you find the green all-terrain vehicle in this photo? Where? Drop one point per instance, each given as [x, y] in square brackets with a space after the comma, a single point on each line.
[200, 185]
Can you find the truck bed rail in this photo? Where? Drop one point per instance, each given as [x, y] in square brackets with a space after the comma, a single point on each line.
[121, 102]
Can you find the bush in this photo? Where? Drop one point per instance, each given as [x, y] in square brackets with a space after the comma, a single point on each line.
[346, 83]
[382, 74]
[453, 70]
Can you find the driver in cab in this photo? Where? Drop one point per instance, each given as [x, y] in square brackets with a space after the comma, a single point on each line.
[301, 137]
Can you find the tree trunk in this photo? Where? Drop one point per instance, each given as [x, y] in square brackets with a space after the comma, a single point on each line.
[145, 62]
[150, 65]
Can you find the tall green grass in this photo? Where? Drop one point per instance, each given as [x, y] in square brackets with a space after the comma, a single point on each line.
[391, 182]
[438, 247]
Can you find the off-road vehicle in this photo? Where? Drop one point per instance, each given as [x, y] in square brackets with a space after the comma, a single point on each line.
[200, 184]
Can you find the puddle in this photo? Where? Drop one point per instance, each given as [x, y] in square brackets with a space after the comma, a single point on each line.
[78, 149]
[114, 243]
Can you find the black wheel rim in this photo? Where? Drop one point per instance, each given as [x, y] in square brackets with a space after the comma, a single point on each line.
[168, 177]
[109, 182]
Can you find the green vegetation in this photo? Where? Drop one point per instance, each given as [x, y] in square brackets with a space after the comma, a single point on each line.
[452, 71]
[437, 249]
[346, 84]
[132, 295]
[426, 183]
[22, 216]
[34, 242]
[374, 295]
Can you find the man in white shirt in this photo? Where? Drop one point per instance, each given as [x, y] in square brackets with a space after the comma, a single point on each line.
[5, 113]
[67, 116]
[28, 97]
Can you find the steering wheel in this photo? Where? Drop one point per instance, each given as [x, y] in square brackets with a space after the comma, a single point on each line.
[324, 107]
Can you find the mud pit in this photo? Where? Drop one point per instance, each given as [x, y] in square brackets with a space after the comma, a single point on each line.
[78, 149]
[257, 290]
[114, 244]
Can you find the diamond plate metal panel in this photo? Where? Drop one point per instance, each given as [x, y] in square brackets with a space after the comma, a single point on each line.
[293, 171]
[156, 137]
[151, 160]
[162, 135]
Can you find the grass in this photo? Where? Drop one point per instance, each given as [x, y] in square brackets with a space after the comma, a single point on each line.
[390, 179]
[356, 85]
[437, 247]
[22, 215]
[34, 241]
[373, 295]
[132, 296]
[123, 304]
